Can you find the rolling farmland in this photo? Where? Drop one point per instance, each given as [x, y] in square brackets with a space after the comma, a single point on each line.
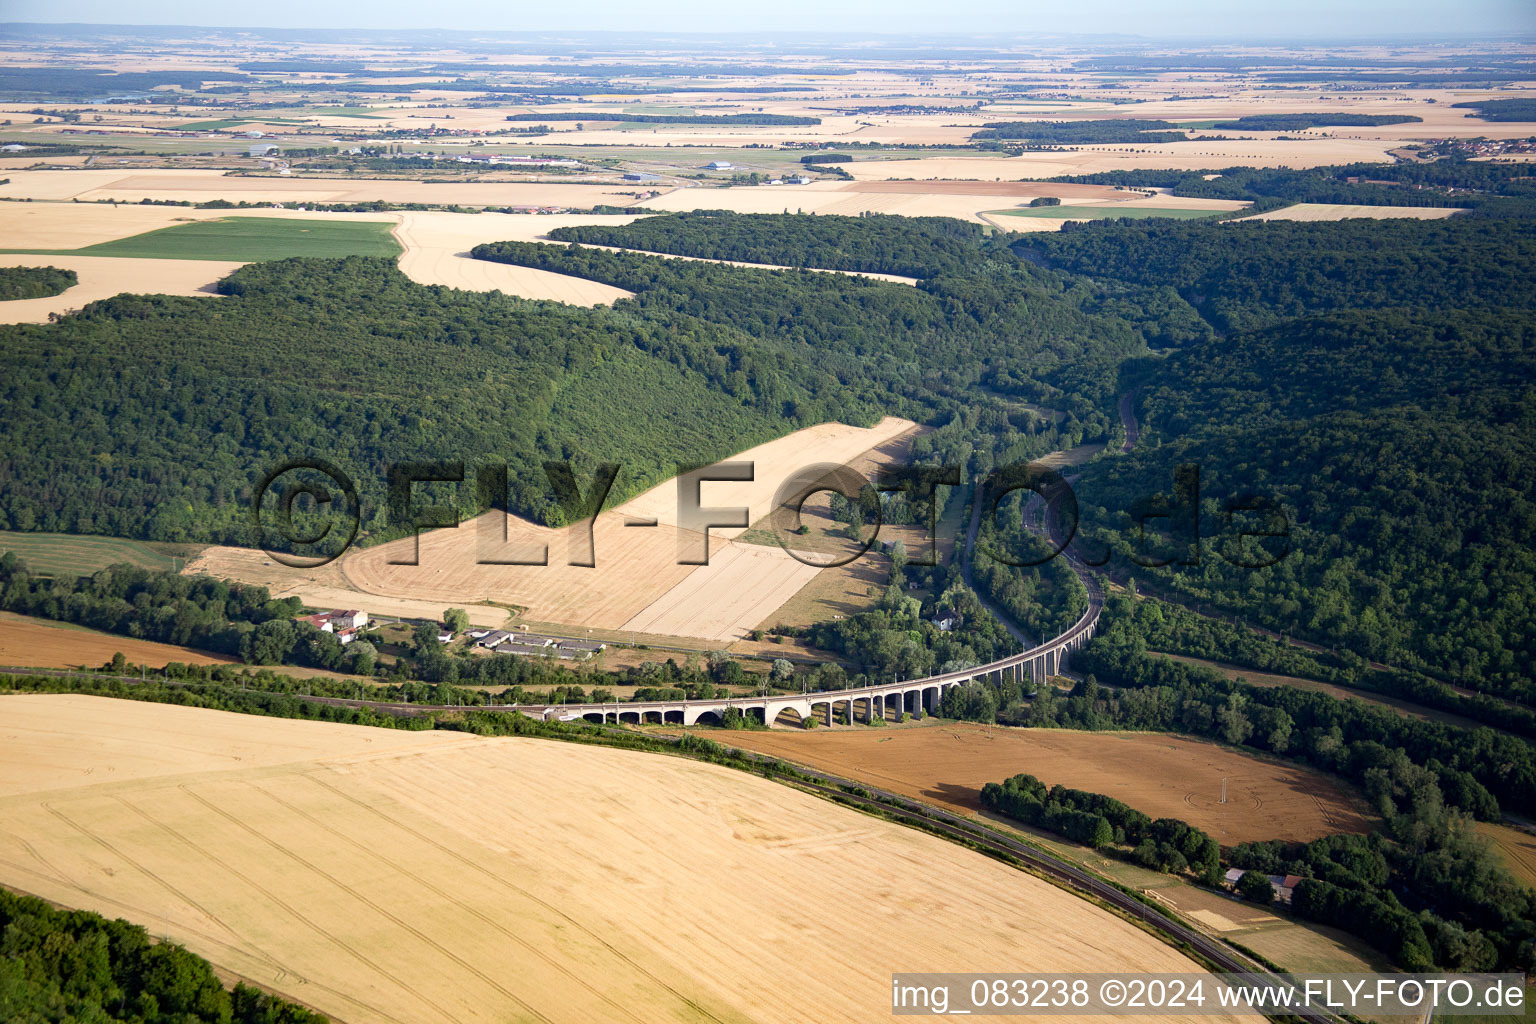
[372, 874]
[1340, 211]
[250, 239]
[641, 587]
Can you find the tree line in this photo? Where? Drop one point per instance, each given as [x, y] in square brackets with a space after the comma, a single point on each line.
[73, 965]
[1298, 122]
[34, 282]
[1074, 133]
[1173, 629]
[870, 243]
[1451, 179]
[1104, 823]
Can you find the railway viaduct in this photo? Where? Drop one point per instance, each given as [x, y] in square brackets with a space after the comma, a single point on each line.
[864, 703]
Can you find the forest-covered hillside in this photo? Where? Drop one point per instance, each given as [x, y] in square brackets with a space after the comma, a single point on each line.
[877, 243]
[1250, 273]
[1372, 377]
[154, 417]
[1379, 380]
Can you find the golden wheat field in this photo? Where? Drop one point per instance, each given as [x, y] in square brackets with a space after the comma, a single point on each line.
[199, 185]
[1341, 211]
[384, 876]
[637, 583]
[102, 277]
[436, 251]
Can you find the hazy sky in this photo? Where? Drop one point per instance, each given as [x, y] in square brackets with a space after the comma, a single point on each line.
[1182, 18]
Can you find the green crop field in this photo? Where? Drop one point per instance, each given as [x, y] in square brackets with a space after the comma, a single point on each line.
[251, 239]
[63, 554]
[1103, 212]
[364, 113]
[234, 122]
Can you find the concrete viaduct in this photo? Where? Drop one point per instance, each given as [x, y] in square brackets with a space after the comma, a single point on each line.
[863, 703]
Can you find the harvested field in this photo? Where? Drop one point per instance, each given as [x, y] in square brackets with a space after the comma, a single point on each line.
[1516, 847]
[742, 584]
[437, 249]
[365, 872]
[1198, 154]
[1160, 775]
[966, 200]
[325, 587]
[41, 643]
[1337, 211]
[201, 185]
[1294, 945]
[821, 197]
[102, 277]
[1013, 189]
[77, 225]
[1216, 912]
[834, 592]
[637, 569]
[841, 590]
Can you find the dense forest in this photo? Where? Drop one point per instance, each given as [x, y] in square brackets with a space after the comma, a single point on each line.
[1399, 449]
[155, 417]
[878, 243]
[1298, 122]
[1395, 437]
[73, 965]
[1016, 569]
[900, 637]
[1174, 629]
[17, 82]
[1452, 179]
[1374, 379]
[1476, 770]
[34, 282]
[1519, 109]
[1251, 273]
[705, 361]
[1425, 890]
[1076, 133]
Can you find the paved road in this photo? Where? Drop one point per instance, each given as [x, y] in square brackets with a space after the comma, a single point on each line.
[1128, 420]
